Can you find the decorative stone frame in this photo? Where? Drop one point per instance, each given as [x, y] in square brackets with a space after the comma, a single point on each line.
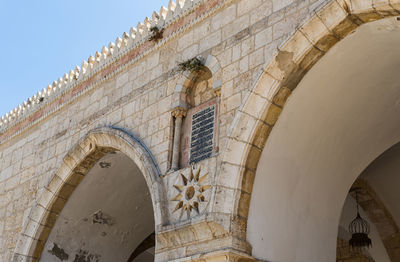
[185, 82]
[265, 101]
[187, 137]
[75, 166]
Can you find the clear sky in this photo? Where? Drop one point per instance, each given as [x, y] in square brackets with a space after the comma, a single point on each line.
[41, 40]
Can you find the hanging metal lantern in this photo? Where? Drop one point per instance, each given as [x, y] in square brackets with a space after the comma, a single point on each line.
[359, 229]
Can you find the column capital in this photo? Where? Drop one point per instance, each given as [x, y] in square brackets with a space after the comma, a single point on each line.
[217, 91]
[178, 112]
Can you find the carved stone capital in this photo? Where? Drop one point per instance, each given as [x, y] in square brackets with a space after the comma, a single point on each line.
[217, 92]
[227, 255]
[178, 112]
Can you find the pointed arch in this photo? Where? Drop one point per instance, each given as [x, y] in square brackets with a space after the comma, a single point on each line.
[75, 165]
[187, 80]
[266, 99]
[379, 214]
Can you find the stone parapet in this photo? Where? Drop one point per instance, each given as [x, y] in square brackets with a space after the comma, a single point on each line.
[127, 49]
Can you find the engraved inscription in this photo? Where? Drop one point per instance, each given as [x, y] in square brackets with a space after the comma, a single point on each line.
[202, 137]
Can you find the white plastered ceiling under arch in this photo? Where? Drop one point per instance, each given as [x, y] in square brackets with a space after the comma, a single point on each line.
[343, 114]
[108, 215]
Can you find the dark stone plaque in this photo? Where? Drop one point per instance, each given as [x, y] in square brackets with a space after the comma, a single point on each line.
[202, 135]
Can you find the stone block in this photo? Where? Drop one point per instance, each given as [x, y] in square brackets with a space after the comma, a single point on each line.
[247, 46]
[223, 17]
[185, 40]
[233, 102]
[279, 4]
[256, 58]
[209, 41]
[227, 174]
[262, 38]
[202, 30]
[236, 26]
[31, 228]
[55, 184]
[255, 105]
[272, 114]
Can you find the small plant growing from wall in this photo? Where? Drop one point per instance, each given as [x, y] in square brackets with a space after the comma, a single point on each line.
[194, 65]
[156, 34]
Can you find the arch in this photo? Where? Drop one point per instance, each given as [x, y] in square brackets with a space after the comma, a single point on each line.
[341, 117]
[379, 215]
[187, 80]
[77, 163]
[345, 252]
[370, 210]
[265, 101]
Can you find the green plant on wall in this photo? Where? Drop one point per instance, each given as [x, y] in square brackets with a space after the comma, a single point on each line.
[195, 65]
[156, 34]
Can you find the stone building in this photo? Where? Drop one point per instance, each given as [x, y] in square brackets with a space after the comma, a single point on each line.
[216, 130]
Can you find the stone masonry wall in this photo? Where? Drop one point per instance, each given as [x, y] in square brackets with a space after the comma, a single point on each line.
[242, 35]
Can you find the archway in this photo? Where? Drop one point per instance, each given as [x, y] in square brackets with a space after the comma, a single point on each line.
[78, 218]
[378, 195]
[342, 115]
[257, 116]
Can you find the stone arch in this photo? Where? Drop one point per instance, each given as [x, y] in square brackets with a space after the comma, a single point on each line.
[265, 101]
[187, 80]
[379, 215]
[78, 161]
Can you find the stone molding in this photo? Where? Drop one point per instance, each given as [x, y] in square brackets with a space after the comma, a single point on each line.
[110, 61]
[195, 239]
[187, 79]
[221, 256]
[178, 112]
[261, 108]
[76, 164]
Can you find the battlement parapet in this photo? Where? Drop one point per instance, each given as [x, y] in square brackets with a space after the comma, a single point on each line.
[109, 54]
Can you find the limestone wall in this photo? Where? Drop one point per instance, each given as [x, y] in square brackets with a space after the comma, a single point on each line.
[135, 90]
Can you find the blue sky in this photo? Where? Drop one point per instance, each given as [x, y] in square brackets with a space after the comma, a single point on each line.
[41, 40]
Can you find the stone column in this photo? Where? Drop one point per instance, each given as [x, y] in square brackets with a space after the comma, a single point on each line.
[178, 113]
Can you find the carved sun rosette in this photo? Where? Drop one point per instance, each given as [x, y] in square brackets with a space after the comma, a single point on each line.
[190, 195]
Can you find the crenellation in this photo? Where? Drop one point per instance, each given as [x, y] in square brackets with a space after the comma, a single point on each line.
[136, 37]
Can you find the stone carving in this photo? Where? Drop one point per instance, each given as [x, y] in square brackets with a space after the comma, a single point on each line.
[190, 195]
[217, 91]
[179, 112]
